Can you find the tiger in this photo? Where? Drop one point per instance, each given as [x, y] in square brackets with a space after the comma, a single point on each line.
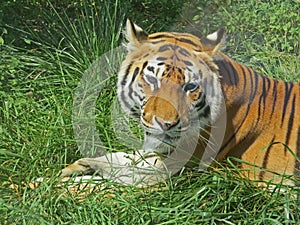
[176, 82]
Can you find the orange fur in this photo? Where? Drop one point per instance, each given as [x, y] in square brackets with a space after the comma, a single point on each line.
[175, 83]
[263, 113]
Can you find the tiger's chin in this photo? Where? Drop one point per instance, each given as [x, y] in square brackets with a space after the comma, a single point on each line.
[159, 143]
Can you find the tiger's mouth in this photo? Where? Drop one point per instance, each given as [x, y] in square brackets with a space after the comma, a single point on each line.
[163, 141]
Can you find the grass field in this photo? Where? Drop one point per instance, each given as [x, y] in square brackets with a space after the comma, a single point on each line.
[45, 49]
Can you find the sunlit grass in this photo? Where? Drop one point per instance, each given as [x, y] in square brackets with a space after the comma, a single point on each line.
[37, 140]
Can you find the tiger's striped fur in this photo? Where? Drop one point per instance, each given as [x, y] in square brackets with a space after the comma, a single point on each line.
[169, 78]
[177, 82]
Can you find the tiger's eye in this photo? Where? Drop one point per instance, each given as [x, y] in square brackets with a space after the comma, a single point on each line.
[190, 87]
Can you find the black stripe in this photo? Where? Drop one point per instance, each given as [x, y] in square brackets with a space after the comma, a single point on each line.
[233, 73]
[224, 71]
[174, 47]
[265, 160]
[262, 101]
[274, 97]
[130, 89]
[229, 71]
[290, 123]
[265, 89]
[144, 65]
[184, 52]
[164, 48]
[180, 70]
[188, 63]
[135, 73]
[188, 69]
[123, 82]
[165, 35]
[188, 41]
[288, 89]
[161, 58]
[253, 86]
[252, 94]
[151, 80]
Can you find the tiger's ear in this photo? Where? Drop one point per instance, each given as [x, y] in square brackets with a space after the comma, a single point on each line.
[134, 35]
[212, 43]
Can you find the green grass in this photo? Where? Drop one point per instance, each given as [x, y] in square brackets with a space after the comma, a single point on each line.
[41, 66]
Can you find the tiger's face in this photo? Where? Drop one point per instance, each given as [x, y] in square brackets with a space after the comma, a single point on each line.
[169, 81]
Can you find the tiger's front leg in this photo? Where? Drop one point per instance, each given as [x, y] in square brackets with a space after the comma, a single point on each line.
[138, 168]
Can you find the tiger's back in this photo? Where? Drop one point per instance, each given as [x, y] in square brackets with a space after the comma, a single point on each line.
[172, 81]
[263, 125]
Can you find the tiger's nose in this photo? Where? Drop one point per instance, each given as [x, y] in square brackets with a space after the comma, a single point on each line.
[165, 125]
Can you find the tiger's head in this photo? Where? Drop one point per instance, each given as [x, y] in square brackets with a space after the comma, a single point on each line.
[170, 82]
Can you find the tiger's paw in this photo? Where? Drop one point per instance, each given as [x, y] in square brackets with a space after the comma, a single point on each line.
[81, 166]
